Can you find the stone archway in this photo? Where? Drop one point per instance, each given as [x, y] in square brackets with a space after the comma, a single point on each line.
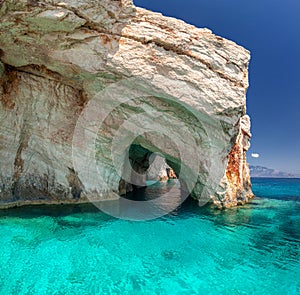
[149, 166]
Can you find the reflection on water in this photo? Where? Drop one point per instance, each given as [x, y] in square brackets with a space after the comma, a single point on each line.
[252, 249]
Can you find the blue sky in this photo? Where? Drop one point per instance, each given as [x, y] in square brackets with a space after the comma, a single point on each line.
[270, 29]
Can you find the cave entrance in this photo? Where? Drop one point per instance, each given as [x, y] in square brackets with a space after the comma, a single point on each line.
[151, 175]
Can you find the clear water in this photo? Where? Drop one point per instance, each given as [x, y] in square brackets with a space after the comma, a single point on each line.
[78, 250]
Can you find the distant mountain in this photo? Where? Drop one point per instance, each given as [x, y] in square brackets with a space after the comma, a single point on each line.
[260, 171]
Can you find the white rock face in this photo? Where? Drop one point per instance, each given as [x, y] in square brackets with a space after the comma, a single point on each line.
[123, 75]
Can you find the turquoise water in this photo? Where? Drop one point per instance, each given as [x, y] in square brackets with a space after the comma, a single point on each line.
[78, 250]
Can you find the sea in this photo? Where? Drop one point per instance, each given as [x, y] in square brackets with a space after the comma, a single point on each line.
[252, 249]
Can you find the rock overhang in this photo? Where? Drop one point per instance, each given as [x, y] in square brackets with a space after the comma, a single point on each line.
[83, 47]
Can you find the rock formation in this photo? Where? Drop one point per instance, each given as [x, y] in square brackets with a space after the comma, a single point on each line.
[184, 87]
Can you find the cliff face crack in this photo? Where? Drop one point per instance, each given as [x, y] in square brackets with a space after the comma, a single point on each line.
[168, 47]
[19, 162]
[45, 73]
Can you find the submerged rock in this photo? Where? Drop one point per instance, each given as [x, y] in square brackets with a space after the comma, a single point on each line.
[173, 88]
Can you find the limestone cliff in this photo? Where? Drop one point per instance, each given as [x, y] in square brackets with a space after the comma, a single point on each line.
[173, 88]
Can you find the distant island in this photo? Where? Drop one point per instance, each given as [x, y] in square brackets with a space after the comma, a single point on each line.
[260, 171]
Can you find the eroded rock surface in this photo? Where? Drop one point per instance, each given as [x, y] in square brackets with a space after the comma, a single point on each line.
[56, 56]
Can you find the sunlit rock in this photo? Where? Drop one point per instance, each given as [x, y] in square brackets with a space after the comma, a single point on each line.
[180, 90]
